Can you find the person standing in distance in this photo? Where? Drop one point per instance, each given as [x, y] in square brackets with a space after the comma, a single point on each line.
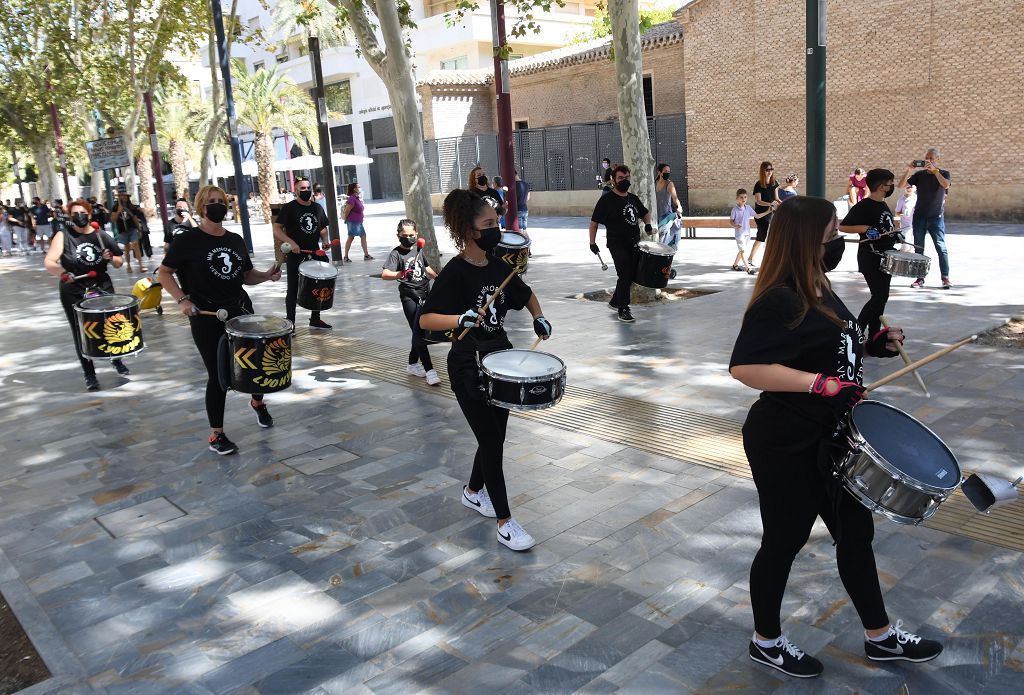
[929, 215]
[303, 224]
[620, 213]
[604, 179]
[766, 199]
[353, 214]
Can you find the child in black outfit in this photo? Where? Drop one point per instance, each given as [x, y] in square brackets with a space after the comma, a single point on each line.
[462, 288]
[800, 346]
[407, 264]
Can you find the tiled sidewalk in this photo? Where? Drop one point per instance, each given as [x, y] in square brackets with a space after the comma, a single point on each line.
[332, 555]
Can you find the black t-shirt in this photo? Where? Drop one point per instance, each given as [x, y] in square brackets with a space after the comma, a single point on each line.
[417, 285]
[175, 227]
[816, 345]
[211, 269]
[874, 213]
[461, 285]
[492, 197]
[303, 223]
[621, 217]
[84, 253]
[931, 197]
[767, 195]
[130, 217]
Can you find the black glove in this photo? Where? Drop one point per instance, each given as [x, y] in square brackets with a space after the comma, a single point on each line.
[840, 395]
[594, 249]
[876, 346]
[648, 228]
[542, 327]
[469, 319]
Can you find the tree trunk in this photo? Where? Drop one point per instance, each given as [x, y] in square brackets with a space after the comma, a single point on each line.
[43, 156]
[395, 69]
[179, 168]
[92, 133]
[636, 140]
[147, 195]
[264, 152]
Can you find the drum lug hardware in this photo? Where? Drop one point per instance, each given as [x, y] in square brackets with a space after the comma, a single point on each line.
[860, 483]
[888, 493]
[522, 393]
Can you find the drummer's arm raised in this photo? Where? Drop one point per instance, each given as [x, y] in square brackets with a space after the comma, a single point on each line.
[854, 228]
[255, 277]
[439, 322]
[773, 377]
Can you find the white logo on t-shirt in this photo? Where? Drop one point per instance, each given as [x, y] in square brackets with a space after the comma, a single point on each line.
[629, 212]
[87, 254]
[224, 262]
[307, 222]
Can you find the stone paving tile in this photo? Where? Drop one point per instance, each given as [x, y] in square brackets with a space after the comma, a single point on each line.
[332, 555]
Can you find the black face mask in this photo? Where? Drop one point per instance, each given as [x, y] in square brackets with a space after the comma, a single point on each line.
[180, 212]
[481, 180]
[80, 219]
[889, 191]
[833, 253]
[622, 186]
[489, 238]
[407, 241]
[216, 212]
[305, 195]
[667, 175]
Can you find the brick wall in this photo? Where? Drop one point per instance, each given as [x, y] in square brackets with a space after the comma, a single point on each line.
[450, 111]
[745, 94]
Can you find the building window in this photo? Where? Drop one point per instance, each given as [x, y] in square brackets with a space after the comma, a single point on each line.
[515, 56]
[522, 125]
[339, 97]
[258, 66]
[283, 58]
[648, 96]
[460, 63]
[254, 24]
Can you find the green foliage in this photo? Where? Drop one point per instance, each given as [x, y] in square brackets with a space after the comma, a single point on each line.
[318, 18]
[267, 99]
[601, 27]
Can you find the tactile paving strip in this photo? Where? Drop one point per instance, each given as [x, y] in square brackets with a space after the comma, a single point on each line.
[692, 437]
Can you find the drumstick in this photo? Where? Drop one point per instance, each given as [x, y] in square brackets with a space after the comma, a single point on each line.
[604, 266]
[864, 241]
[532, 348]
[83, 276]
[906, 358]
[222, 314]
[485, 307]
[919, 363]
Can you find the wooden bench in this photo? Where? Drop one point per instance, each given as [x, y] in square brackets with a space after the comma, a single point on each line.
[691, 224]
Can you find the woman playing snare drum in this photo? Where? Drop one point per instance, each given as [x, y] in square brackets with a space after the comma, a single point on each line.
[79, 250]
[456, 302]
[801, 347]
[213, 265]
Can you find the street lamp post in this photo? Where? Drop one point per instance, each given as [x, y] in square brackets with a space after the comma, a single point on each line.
[506, 143]
[816, 21]
[325, 146]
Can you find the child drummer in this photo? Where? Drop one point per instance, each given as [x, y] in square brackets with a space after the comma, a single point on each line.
[471, 279]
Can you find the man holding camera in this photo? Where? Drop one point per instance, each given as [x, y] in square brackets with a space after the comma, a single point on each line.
[932, 185]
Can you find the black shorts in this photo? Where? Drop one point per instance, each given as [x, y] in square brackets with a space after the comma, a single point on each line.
[762, 228]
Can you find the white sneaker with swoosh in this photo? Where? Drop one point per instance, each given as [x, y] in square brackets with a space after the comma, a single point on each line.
[512, 535]
[478, 502]
[786, 657]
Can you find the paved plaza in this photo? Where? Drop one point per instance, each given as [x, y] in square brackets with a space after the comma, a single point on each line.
[332, 554]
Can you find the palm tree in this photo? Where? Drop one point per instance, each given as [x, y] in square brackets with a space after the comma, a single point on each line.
[180, 121]
[265, 100]
[309, 18]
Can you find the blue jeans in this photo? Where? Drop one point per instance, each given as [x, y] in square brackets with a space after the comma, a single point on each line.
[935, 227]
[522, 215]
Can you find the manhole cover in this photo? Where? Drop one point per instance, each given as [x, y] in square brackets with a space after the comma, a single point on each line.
[139, 516]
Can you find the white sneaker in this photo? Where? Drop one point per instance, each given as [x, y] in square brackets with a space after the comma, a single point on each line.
[479, 502]
[432, 378]
[514, 536]
[416, 370]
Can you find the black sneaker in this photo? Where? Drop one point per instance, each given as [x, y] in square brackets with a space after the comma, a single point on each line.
[121, 367]
[626, 315]
[91, 383]
[319, 325]
[262, 414]
[785, 657]
[222, 445]
[901, 645]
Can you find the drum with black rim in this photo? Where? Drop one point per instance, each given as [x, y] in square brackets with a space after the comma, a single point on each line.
[653, 264]
[316, 285]
[255, 354]
[522, 379]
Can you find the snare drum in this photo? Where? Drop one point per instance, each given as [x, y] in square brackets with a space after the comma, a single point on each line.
[316, 285]
[434, 337]
[256, 354]
[653, 264]
[522, 379]
[514, 249]
[109, 326]
[905, 264]
[896, 466]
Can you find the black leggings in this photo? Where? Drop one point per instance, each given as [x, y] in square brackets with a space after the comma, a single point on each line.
[292, 261]
[488, 423]
[206, 333]
[418, 352]
[68, 301]
[624, 258]
[792, 494]
[878, 283]
[763, 223]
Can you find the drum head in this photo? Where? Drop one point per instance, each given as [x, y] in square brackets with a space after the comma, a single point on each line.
[318, 269]
[109, 302]
[656, 249]
[906, 255]
[522, 364]
[514, 240]
[906, 444]
[257, 326]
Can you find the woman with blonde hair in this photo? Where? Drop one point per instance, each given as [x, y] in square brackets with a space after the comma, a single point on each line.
[212, 265]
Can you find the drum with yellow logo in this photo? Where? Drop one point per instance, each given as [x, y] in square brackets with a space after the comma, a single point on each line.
[514, 249]
[110, 326]
[256, 354]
